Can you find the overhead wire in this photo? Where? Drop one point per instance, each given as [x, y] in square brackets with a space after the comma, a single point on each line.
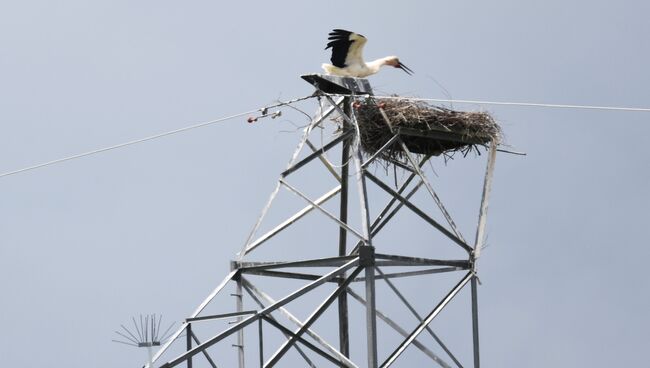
[512, 103]
[287, 103]
[151, 137]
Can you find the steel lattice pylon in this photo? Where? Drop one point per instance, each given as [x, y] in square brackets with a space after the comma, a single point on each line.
[360, 264]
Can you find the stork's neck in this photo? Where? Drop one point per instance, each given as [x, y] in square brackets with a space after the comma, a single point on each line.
[375, 65]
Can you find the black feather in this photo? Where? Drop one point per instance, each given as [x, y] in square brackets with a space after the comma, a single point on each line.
[340, 44]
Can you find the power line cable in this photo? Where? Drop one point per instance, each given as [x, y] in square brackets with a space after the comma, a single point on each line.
[509, 103]
[152, 137]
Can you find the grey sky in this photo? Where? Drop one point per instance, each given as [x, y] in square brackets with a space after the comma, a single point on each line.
[150, 228]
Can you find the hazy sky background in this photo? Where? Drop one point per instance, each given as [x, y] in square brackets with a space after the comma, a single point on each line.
[88, 243]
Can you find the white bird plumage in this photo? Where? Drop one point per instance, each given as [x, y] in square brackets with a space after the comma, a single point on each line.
[347, 56]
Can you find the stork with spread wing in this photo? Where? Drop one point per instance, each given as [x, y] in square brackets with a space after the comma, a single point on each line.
[347, 56]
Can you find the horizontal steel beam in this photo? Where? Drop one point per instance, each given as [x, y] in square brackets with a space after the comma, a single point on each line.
[318, 262]
[418, 261]
[413, 273]
[220, 316]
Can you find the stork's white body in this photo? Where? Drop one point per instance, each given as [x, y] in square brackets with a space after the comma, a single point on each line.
[360, 69]
[347, 56]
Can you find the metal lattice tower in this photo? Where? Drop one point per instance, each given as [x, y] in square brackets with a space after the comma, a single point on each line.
[362, 264]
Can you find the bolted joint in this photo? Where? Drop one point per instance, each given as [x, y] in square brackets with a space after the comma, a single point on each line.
[235, 265]
[366, 256]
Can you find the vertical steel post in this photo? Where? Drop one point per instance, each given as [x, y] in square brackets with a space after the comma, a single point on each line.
[239, 296]
[344, 339]
[477, 362]
[371, 317]
[188, 335]
[366, 251]
[261, 337]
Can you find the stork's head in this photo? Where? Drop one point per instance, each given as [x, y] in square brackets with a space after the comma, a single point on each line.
[394, 62]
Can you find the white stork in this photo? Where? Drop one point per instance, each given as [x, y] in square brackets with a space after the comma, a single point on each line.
[347, 56]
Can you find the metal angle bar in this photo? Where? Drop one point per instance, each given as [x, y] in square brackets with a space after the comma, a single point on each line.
[288, 222]
[418, 261]
[385, 220]
[380, 151]
[229, 331]
[344, 335]
[205, 353]
[398, 164]
[429, 187]
[239, 304]
[361, 183]
[319, 262]
[260, 337]
[412, 273]
[425, 322]
[247, 321]
[314, 155]
[420, 173]
[198, 310]
[487, 186]
[420, 213]
[220, 316]
[298, 349]
[477, 360]
[378, 224]
[371, 317]
[323, 160]
[288, 275]
[254, 291]
[311, 319]
[419, 318]
[311, 346]
[338, 109]
[400, 330]
[188, 338]
[293, 159]
[327, 213]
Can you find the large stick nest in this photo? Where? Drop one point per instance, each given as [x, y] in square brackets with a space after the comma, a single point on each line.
[426, 129]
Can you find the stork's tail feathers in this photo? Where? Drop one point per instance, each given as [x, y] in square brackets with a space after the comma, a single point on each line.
[329, 68]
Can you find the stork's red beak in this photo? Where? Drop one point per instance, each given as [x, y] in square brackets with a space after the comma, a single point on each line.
[405, 68]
